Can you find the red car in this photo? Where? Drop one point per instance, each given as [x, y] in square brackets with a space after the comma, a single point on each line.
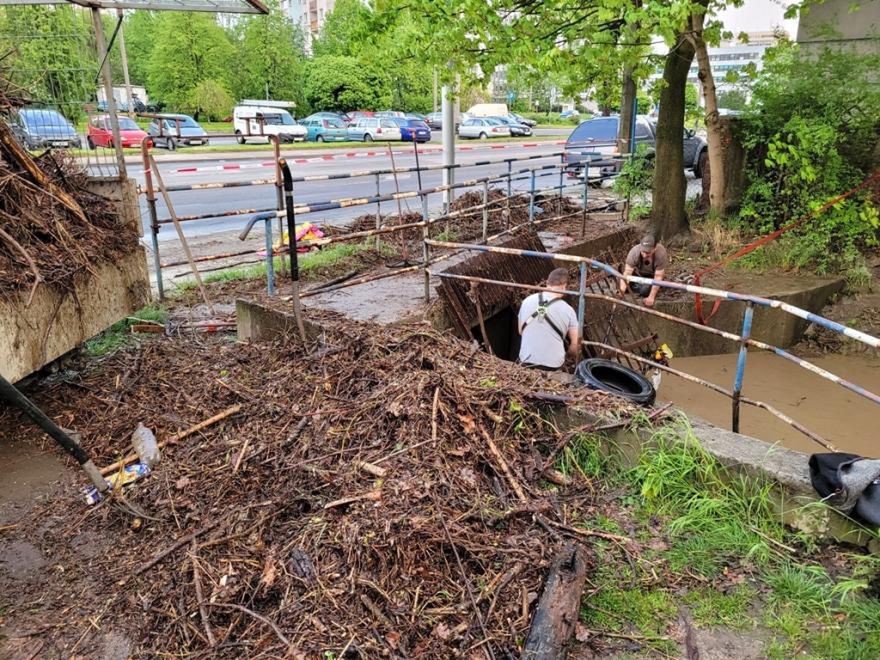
[100, 133]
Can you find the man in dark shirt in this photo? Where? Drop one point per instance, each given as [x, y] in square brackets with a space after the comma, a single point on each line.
[647, 259]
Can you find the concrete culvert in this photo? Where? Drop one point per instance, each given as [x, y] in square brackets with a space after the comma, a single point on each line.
[612, 377]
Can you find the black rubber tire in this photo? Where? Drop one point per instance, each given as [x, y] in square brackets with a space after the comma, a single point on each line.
[320, 138]
[483, 136]
[90, 143]
[171, 144]
[613, 377]
[368, 137]
[239, 137]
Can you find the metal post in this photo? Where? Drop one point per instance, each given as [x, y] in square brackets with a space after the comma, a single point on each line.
[123, 55]
[485, 211]
[270, 258]
[154, 217]
[279, 190]
[532, 198]
[585, 193]
[418, 167]
[291, 232]
[509, 194]
[741, 364]
[426, 249]
[448, 135]
[378, 208]
[582, 307]
[101, 45]
[561, 177]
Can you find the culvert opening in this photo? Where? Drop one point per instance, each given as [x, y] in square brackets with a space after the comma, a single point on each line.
[502, 333]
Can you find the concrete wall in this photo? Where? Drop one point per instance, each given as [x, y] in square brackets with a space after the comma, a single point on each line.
[833, 24]
[772, 326]
[58, 321]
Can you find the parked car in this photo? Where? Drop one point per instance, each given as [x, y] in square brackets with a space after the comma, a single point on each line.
[599, 137]
[568, 114]
[368, 129]
[413, 130]
[251, 121]
[341, 116]
[389, 113]
[43, 128]
[100, 132]
[170, 131]
[414, 115]
[358, 114]
[515, 127]
[488, 110]
[531, 123]
[483, 128]
[325, 129]
[434, 120]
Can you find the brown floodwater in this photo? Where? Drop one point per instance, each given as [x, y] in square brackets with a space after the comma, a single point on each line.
[847, 420]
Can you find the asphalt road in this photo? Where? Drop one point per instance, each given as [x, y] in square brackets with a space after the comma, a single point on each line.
[264, 196]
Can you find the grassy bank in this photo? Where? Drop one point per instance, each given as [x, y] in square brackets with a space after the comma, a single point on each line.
[710, 553]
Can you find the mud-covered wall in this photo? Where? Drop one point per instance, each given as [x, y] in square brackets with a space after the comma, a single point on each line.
[57, 321]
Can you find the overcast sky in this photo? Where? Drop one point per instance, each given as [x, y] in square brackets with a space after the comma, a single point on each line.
[757, 16]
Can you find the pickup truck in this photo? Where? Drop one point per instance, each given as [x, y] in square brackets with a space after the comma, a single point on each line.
[598, 137]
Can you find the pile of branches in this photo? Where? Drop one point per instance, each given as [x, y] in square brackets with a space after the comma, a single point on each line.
[51, 227]
[381, 494]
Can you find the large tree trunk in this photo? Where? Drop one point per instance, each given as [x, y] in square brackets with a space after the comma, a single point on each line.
[717, 201]
[627, 100]
[669, 180]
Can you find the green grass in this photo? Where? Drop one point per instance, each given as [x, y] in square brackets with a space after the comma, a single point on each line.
[119, 335]
[710, 541]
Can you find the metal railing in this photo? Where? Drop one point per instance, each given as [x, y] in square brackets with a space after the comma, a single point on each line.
[506, 179]
[744, 338]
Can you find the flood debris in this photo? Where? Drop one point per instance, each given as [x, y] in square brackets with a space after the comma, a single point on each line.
[383, 495]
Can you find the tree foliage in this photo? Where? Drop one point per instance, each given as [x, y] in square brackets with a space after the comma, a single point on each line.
[343, 32]
[270, 59]
[810, 134]
[336, 82]
[51, 54]
[189, 48]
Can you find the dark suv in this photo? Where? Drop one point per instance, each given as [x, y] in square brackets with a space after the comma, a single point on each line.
[595, 138]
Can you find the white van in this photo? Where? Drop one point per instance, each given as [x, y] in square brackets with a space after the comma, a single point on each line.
[488, 110]
[253, 119]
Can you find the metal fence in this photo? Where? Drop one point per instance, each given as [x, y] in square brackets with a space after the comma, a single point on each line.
[51, 54]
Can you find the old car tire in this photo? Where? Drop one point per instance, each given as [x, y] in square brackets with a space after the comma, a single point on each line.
[610, 376]
[702, 159]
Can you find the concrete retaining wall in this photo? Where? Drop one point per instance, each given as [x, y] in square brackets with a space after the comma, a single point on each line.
[772, 326]
[58, 321]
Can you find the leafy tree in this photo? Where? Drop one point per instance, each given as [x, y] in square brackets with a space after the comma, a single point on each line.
[51, 54]
[810, 133]
[189, 48]
[345, 83]
[343, 31]
[209, 100]
[270, 59]
[733, 99]
[140, 28]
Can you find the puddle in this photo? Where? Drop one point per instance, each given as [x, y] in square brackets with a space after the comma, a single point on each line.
[28, 471]
[847, 420]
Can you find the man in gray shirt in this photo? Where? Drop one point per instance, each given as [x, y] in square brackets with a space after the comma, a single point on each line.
[545, 322]
[647, 259]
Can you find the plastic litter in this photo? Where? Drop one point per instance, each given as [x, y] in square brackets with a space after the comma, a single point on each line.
[126, 476]
[145, 445]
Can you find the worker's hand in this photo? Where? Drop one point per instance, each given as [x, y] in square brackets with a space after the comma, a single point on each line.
[649, 301]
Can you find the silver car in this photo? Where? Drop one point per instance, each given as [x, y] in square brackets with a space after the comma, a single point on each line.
[482, 128]
[169, 131]
[369, 129]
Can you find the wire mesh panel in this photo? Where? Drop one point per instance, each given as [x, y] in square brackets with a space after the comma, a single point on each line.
[49, 52]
